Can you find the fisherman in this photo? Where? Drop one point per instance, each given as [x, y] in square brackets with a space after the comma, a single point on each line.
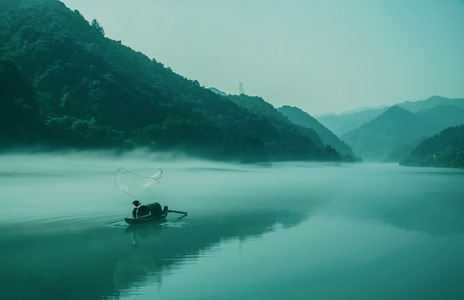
[136, 204]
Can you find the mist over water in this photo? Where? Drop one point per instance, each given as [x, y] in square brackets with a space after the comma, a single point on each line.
[256, 231]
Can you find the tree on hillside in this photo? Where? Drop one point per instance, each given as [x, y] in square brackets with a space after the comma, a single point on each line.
[97, 26]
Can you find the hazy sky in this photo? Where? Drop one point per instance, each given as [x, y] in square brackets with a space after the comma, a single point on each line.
[320, 55]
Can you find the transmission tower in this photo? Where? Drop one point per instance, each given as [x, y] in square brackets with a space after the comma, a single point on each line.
[241, 90]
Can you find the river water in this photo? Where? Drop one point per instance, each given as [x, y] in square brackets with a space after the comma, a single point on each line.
[291, 230]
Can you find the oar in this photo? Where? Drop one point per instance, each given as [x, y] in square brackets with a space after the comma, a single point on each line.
[176, 211]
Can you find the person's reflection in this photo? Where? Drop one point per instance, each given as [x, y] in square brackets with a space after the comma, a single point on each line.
[144, 231]
[140, 263]
[135, 240]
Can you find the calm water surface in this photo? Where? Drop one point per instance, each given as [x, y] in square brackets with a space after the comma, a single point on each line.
[270, 231]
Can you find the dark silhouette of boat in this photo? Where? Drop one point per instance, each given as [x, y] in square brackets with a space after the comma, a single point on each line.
[151, 213]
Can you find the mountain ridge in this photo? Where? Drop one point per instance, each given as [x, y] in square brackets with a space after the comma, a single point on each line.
[344, 122]
[302, 118]
[376, 139]
[92, 91]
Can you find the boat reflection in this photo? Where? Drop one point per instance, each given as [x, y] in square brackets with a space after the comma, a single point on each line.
[54, 263]
[143, 231]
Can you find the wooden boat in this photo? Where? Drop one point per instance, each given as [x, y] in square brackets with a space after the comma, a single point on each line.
[151, 213]
[147, 219]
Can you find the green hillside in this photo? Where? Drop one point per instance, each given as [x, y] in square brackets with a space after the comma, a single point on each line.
[445, 149]
[84, 90]
[19, 114]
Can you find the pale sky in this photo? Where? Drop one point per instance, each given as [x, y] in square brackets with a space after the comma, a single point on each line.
[320, 55]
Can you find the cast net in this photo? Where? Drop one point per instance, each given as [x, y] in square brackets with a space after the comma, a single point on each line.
[137, 186]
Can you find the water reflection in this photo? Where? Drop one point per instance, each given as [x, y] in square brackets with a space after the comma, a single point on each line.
[65, 238]
[102, 261]
[424, 200]
[138, 265]
[143, 231]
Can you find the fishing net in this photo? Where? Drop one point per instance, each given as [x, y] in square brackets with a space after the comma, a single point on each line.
[137, 186]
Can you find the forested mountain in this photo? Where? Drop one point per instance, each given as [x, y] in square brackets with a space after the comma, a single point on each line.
[263, 109]
[301, 118]
[19, 114]
[442, 150]
[376, 139]
[74, 87]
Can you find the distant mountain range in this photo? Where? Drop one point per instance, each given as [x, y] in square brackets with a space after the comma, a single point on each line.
[376, 139]
[432, 102]
[390, 134]
[341, 124]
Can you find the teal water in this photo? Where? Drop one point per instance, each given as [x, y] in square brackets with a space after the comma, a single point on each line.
[270, 231]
